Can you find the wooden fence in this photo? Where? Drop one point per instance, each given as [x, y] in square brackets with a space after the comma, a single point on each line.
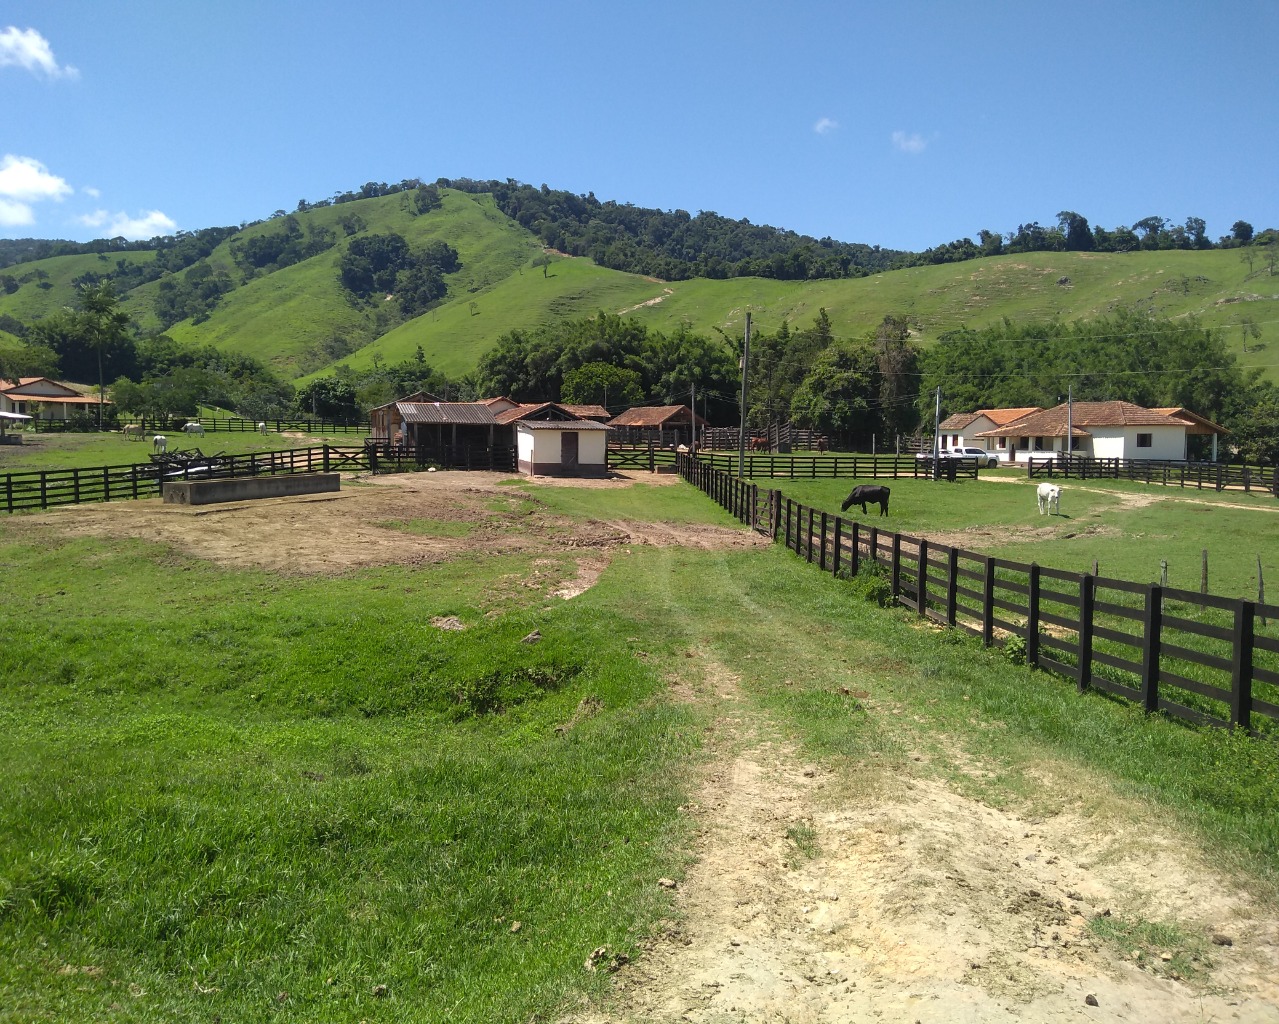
[1217, 476]
[1206, 659]
[843, 466]
[41, 489]
[239, 425]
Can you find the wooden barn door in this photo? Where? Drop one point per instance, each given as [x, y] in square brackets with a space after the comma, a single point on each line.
[568, 450]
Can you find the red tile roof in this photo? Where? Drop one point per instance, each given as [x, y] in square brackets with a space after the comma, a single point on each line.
[653, 416]
[1081, 415]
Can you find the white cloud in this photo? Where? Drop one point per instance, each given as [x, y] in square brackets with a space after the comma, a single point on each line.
[91, 192]
[148, 225]
[22, 177]
[13, 214]
[909, 142]
[825, 125]
[30, 50]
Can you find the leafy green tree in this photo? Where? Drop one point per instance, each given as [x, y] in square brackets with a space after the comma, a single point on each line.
[839, 395]
[329, 398]
[601, 383]
[1079, 236]
[1241, 232]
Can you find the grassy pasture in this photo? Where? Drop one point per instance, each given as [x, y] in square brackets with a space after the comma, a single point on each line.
[234, 795]
[1126, 527]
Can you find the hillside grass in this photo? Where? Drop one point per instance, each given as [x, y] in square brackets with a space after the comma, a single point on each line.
[286, 317]
[935, 299]
[300, 321]
[234, 795]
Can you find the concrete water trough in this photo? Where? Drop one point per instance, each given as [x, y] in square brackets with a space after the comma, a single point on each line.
[244, 488]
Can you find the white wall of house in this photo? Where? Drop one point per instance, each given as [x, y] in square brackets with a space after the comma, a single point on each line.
[1122, 442]
[592, 447]
[526, 442]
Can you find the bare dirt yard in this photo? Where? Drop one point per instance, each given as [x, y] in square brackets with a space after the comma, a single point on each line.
[876, 897]
[408, 519]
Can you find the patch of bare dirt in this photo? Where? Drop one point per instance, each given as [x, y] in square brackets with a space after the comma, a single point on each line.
[893, 897]
[408, 519]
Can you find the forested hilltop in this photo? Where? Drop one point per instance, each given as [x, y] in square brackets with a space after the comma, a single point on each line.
[467, 288]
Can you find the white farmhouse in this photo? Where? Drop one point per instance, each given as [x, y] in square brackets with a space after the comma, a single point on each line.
[1100, 430]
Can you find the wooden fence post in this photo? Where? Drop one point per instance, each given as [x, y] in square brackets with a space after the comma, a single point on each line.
[1087, 594]
[1032, 617]
[854, 565]
[839, 543]
[1152, 622]
[897, 564]
[921, 587]
[1241, 666]
[821, 558]
[808, 539]
[988, 604]
[952, 586]
[776, 512]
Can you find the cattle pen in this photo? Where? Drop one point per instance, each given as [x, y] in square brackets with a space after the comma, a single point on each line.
[1197, 657]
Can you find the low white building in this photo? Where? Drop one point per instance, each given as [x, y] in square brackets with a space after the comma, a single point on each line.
[561, 447]
[45, 399]
[1098, 430]
[969, 429]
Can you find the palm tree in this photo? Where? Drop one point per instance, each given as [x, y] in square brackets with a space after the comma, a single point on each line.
[104, 325]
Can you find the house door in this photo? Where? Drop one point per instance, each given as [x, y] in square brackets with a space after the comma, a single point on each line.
[568, 450]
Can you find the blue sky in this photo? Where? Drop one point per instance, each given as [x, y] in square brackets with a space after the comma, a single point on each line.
[902, 124]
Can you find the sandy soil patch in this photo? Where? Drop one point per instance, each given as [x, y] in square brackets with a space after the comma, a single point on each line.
[403, 519]
[872, 899]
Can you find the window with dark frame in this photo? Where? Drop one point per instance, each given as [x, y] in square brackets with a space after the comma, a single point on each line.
[1145, 440]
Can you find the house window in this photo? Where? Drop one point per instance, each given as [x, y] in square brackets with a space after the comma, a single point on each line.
[1023, 443]
[1145, 440]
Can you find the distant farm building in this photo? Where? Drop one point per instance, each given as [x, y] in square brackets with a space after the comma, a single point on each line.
[44, 399]
[663, 425]
[543, 438]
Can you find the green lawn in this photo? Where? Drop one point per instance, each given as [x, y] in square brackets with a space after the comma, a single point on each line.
[233, 795]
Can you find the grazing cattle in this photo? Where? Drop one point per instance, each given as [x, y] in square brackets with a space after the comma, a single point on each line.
[1049, 499]
[863, 493]
[194, 427]
[160, 443]
[133, 431]
[262, 428]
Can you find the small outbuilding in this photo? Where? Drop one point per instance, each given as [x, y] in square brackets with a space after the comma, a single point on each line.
[662, 424]
[562, 447]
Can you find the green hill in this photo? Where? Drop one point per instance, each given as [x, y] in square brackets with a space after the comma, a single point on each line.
[301, 321]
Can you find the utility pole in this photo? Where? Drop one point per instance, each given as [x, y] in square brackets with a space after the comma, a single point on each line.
[1070, 424]
[692, 417]
[741, 434]
[937, 436]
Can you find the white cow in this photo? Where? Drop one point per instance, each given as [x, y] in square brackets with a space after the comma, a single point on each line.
[1049, 499]
[194, 427]
[262, 428]
[160, 443]
[133, 431]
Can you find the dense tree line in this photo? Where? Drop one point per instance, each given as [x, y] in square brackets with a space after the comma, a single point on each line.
[1131, 356]
[673, 244]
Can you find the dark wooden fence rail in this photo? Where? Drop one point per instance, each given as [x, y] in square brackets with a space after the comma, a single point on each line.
[239, 425]
[1197, 657]
[1217, 476]
[840, 466]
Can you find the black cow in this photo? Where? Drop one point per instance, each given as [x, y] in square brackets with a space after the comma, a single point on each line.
[863, 493]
